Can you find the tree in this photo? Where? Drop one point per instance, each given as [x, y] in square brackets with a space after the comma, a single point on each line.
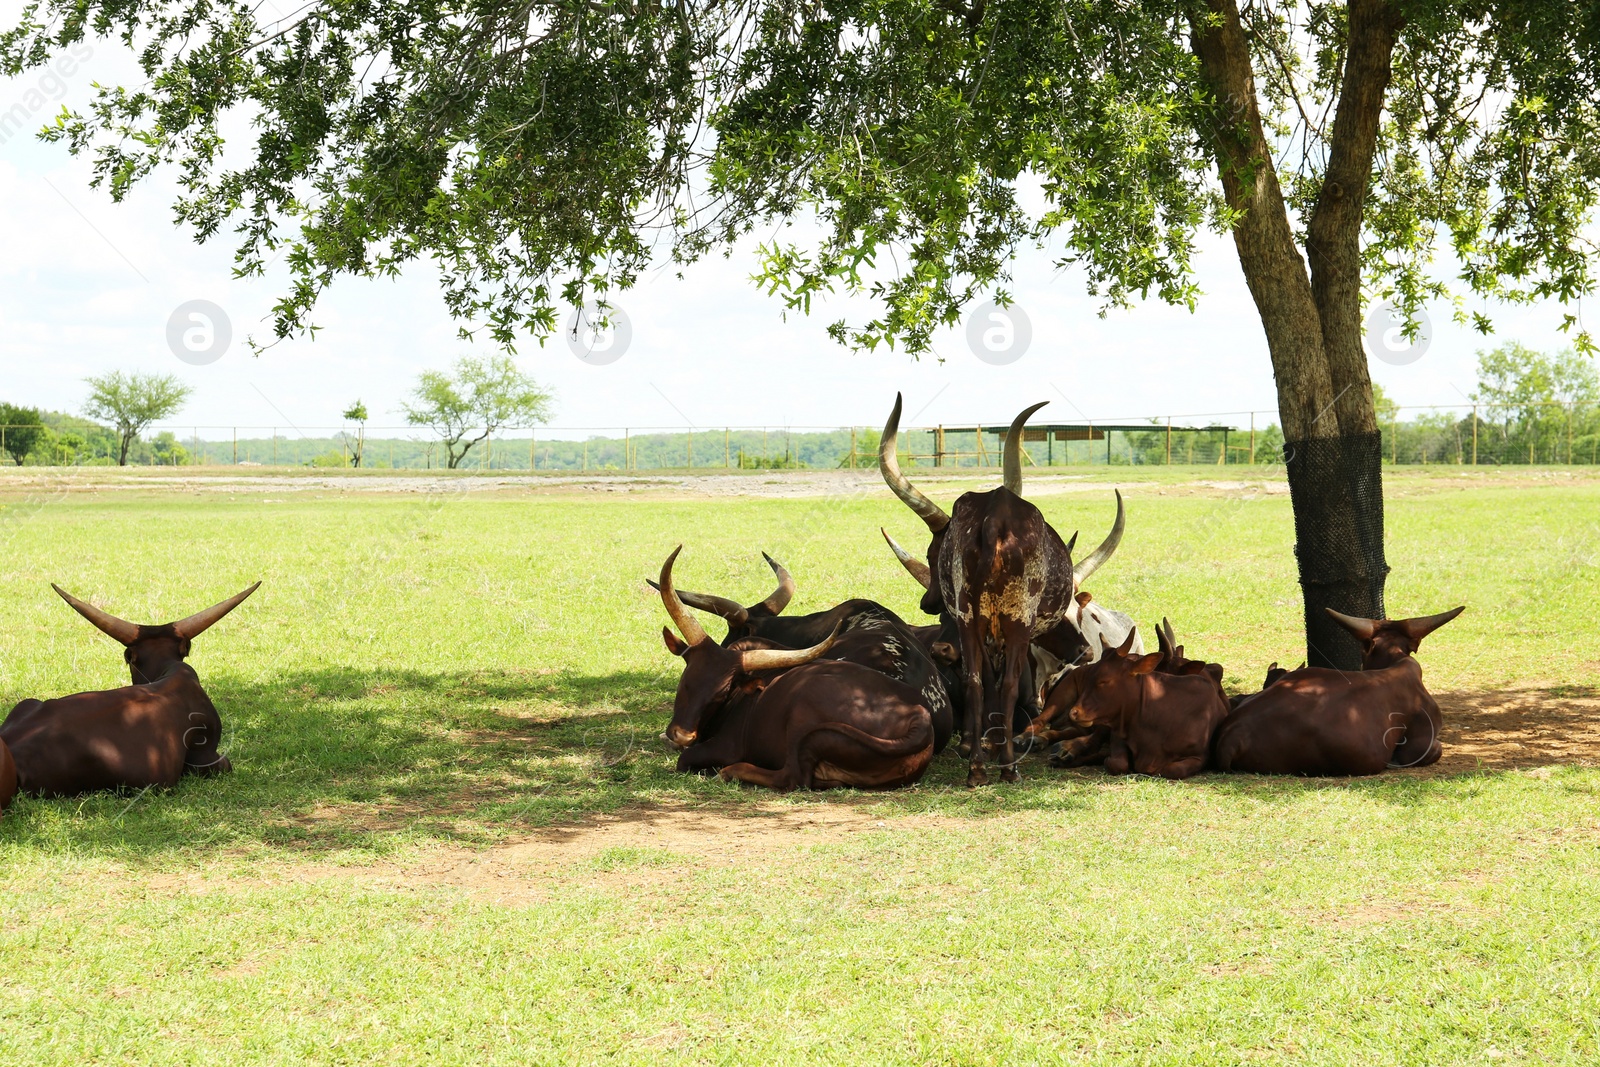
[356, 413]
[484, 394]
[1338, 142]
[20, 430]
[131, 402]
[1532, 396]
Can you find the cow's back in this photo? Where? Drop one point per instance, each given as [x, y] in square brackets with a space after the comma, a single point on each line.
[1322, 722]
[129, 737]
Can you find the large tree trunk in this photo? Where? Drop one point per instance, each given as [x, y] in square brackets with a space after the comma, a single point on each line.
[1332, 450]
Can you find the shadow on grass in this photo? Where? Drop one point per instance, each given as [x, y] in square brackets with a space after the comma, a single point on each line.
[341, 759]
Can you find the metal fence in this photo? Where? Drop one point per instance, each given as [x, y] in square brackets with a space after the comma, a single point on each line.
[1450, 434]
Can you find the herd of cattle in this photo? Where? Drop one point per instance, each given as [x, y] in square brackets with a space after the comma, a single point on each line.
[1022, 658]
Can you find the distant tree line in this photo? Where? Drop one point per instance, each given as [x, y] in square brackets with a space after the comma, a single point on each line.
[1531, 407]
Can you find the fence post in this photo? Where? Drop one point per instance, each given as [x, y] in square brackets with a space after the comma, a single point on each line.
[938, 445]
[1569, 434]
[852, 448]
[1394, 438]
[1252, 438]
[1474, 435]
[689, 435]
[235, 444]
[726, 454]
[1169, 440]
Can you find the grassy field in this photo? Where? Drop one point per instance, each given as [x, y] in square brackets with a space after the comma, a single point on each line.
[452, 835]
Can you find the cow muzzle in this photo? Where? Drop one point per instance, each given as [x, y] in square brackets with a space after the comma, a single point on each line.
[678, 737]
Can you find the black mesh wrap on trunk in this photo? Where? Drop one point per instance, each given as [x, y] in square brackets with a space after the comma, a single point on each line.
[1336, 487]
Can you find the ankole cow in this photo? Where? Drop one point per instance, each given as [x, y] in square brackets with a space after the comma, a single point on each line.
[867, 633]
[766, 618]
[787, 718]
[1005, 577]
[1320, 721]
[1159, 724]
[152, 732]
[8, 777]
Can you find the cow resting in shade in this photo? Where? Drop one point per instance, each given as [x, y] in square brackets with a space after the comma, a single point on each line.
[1320, 721]
[150, 733]
[765, 618]
[788, 718]
[1159, 724]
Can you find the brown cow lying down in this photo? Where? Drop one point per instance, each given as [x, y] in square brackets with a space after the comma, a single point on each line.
[8, 776]
[1317, 721]
[1158, 724]
[786, 718]
[152, 732]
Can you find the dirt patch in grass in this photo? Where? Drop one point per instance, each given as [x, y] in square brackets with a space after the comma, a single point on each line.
[639, 848]
[1507, 729]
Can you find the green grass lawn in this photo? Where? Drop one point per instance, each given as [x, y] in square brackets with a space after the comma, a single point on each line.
[452, 835]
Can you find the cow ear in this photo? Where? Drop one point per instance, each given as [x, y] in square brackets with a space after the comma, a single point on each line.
[1146, 664]
[674, 645]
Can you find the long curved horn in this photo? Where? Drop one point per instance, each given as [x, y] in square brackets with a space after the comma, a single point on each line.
[732, 610]
[1092, 562]
[1360, 629]
[889, 464]
[918, 569]
[772, 659]
[108, 624]
[201, 621]
[1418, 628]
[784, 593]
[1164, 637]
[1011, 465]
[687, 624]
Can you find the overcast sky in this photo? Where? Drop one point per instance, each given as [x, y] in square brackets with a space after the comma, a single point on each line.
[87, 286]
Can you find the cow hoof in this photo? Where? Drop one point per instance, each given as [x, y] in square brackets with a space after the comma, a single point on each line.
[976, 779]
[1009, 774]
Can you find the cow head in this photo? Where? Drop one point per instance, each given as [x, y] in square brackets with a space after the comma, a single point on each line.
[712, 674]
[150, 651]
[741, 619]
[1109, 687]
[1385, 642]
[938, 522]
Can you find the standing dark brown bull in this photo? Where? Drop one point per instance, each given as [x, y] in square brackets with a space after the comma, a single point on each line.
[1320, 721]
[1160, 724]
[787, 718]
[152, 732]
[1005, 577]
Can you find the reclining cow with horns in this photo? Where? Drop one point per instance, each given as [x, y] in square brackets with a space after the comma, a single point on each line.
[1002, 579]
[150, 733]
[786, 718]
[765, 618]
